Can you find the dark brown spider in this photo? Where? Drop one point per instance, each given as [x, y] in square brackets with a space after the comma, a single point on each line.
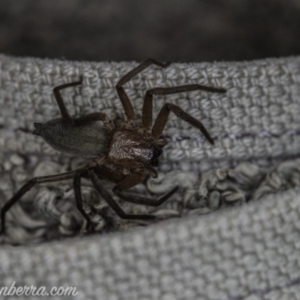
[124, 154]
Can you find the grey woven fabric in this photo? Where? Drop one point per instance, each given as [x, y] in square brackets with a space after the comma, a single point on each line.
[257, 118]
[246, 252]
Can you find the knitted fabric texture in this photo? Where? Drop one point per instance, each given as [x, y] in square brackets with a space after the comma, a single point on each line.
[245, 252]
[248, 253]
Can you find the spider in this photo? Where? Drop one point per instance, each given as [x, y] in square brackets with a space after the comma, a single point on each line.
[124, 153]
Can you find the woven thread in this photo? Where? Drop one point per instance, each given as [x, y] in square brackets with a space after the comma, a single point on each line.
[257, 117]
[246, 252]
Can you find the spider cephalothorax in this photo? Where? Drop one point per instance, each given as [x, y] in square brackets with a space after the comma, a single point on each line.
[123, 153]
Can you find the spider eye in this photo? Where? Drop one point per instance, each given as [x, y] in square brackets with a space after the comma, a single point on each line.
[156, 152]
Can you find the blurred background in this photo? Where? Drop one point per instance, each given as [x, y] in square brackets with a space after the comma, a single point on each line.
[117, 30]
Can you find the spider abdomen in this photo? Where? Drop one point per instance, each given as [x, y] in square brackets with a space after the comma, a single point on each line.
[88, 140]
[131, 150]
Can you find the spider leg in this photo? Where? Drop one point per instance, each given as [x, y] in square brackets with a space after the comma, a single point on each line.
[94, 117]
[133, 180]
[148, 100]
[26, 187]
[162, 118]
[59, 99]
[128, 109]
[112, 203]
[78, 198]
